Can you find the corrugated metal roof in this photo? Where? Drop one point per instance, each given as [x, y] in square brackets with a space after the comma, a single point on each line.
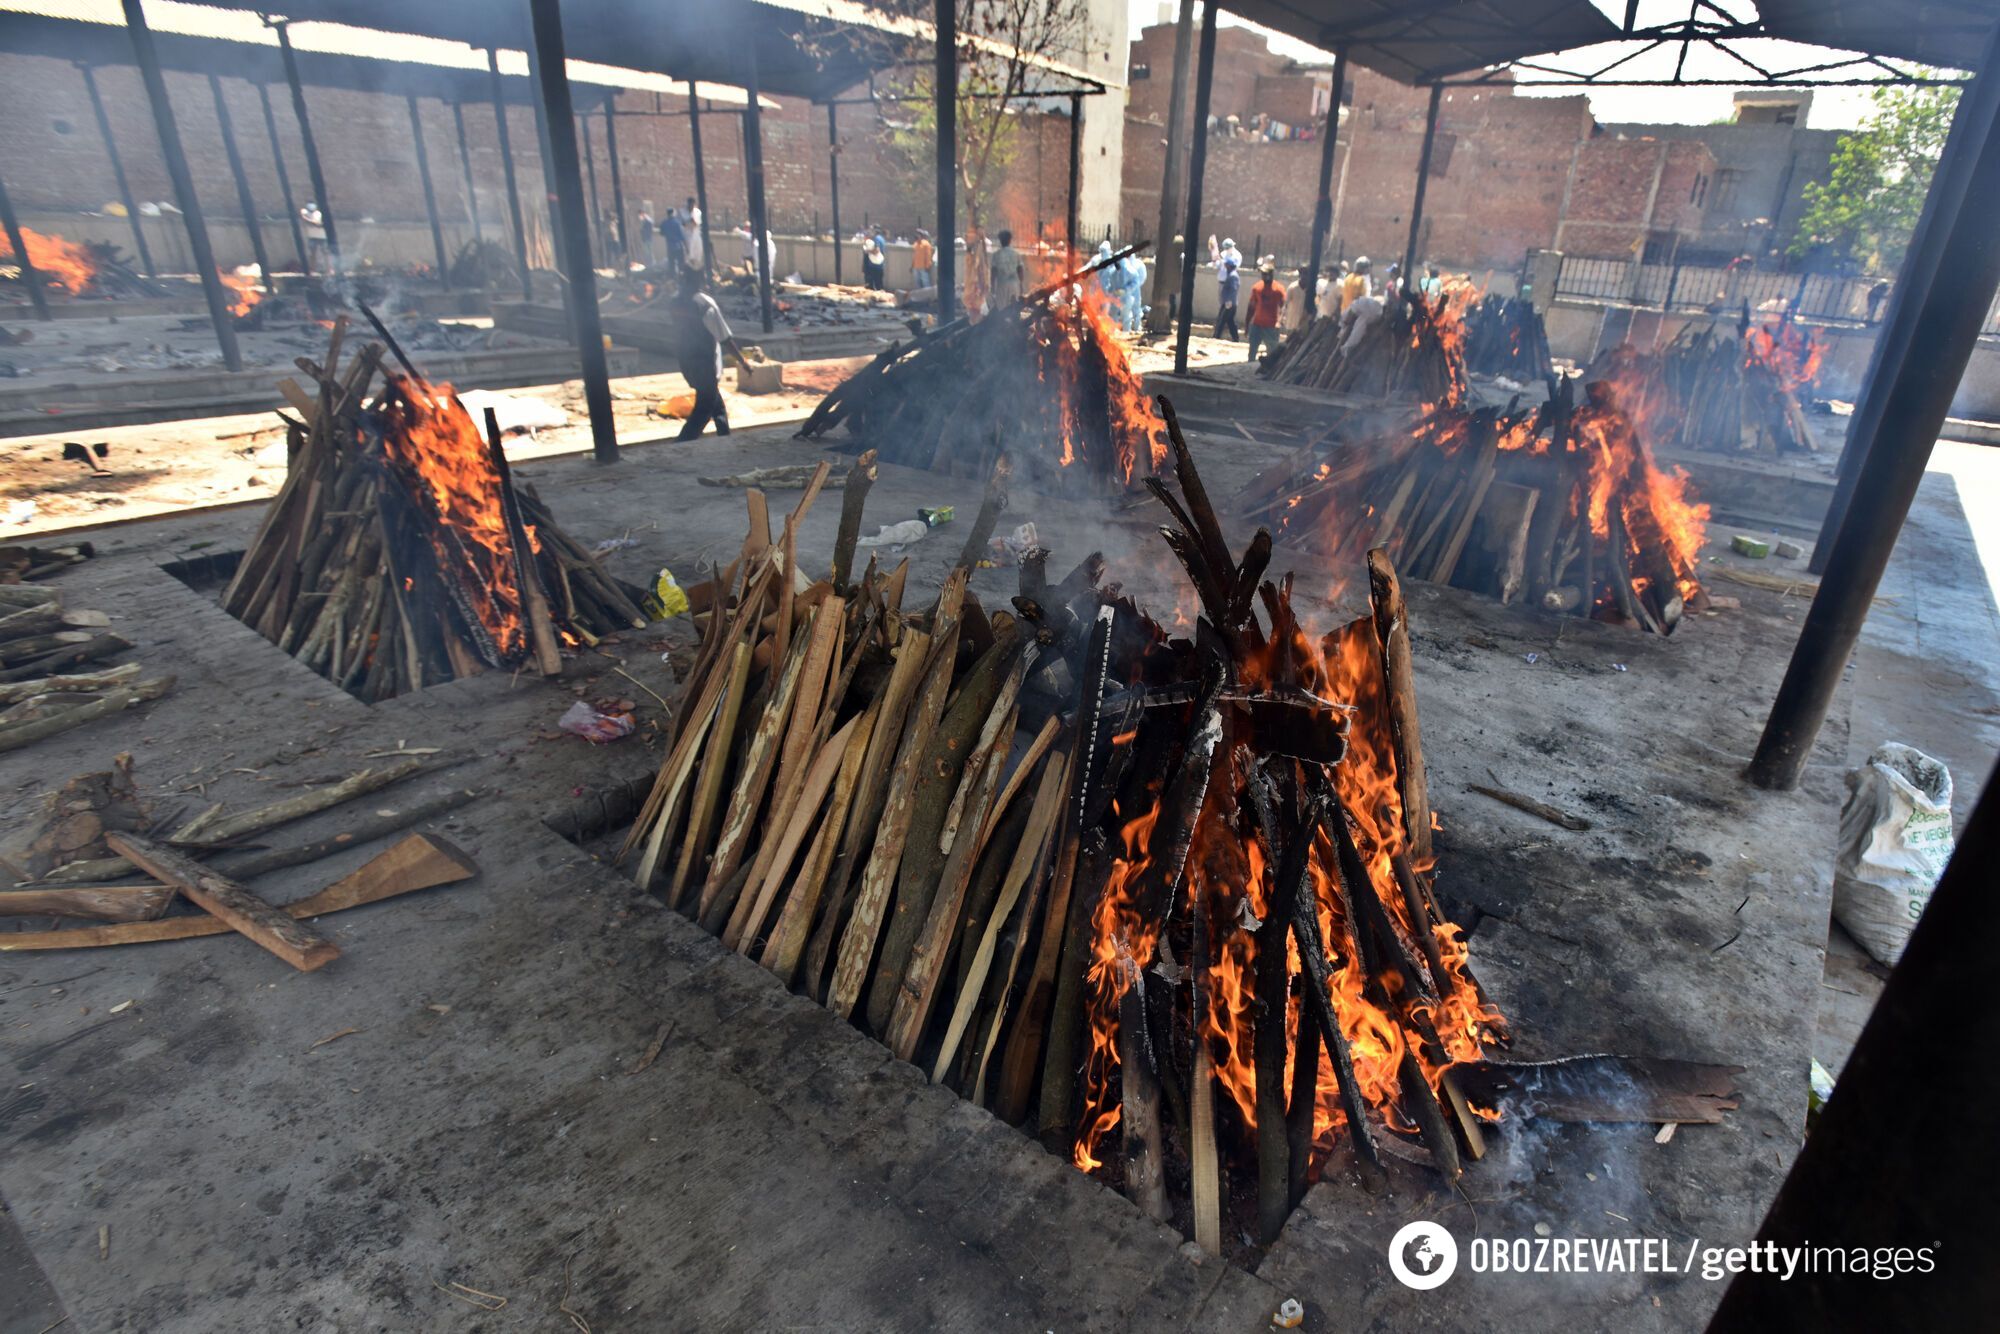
[1948, 33]
[1422, 41]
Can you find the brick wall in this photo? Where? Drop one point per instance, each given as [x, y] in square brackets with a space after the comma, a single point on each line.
[1615, 182]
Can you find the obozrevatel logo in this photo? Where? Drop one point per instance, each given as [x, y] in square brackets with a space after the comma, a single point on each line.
[1422, 1255]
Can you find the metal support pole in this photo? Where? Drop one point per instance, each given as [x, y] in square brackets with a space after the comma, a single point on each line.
[566, 194]
[1952, 271]
[590, 183]
[1423, 180]
[465, 166]
[617, 180]
[118, 170]
[430, 191]
[1166, 263]
[219, 298]
[833, 183]
[1869, 1180]
[244, 200]
[558, 243]
[1204, 82]
[513, 181]
[700, 179]
[313, 170]
[284, 176]
[945, 92]
[1075, 169]
[31, 278]
[1323, 208]
[760, 224]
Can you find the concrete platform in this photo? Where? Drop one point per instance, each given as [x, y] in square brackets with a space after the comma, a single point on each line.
[775, 1168]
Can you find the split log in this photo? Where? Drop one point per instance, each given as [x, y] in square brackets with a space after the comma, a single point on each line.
[420, 861]
[1392, 633]
[299, 945]
[100, 903]
[1145, 1165]
[92, 649]
[25, 734]
[860, 478]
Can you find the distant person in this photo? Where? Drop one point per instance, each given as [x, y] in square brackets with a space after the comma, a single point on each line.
[1356, 320]
[1432, 285]
[1877, 294]
[700, 335]
[978, 272]
[1293, 317]
[1227, 261]
[1267, 303]
[874, 263]
[649, 233]
[691, 237]
[1392, 281]
[316, 248]
[923, 262]
[1357, 283]
[1134, 270]
[675, 236]
[1007, 269]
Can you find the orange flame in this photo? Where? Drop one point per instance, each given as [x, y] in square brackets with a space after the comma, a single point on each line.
[1791, 354]
[60, 262]
[429, 438]
[246, 293]
[1084, 328]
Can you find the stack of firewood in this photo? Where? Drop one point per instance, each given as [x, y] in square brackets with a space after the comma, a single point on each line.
[1045, 381]
[1046, 853]
[42, 644]
[400, 553]
[1562, 505]
[1504, 335]
[1411, 348]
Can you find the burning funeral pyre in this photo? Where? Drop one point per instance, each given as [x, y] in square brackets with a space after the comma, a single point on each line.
[1190, 935]
[96, 268]
[399, 553]
[1562, 505]
[1504, 335]
[1045, 381]
[1708, 390]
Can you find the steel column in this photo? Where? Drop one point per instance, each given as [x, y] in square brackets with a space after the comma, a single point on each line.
[430, 192]
[590, 183]
[566, 192]
[558, 243]
[1075, 169]
[513, 182]
[465, 166]
[944, 91]
[1423, 180]
[1204, 82]
[1323, 208]
[1166, 264]
[760, 224]
[1873, 1179]
[177, 171]
[833, 182]
[244, 199]
[284, 176]
[617, 180]
[313, 171]
[118, 169]
[700, 179]
[31, 278]
[1934, 322]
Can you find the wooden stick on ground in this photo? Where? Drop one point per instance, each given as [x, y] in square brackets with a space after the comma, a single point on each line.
[100, 903]
[24, 734]
[297, 944]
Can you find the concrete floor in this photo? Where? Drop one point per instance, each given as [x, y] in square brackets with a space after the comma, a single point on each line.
[774, 1168]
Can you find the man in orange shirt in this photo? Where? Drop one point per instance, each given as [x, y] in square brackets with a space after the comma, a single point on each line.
[922, 256]
[1267, 303]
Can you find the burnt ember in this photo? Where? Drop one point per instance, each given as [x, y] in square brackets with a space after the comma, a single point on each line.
[400, 553]
[1045, 381]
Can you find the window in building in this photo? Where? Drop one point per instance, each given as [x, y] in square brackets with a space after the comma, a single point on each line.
[1728, 181]
[1141, 70]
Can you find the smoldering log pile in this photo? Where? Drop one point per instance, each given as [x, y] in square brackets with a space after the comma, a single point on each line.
[1710, 390]
[1045, 381]
[1562, 505]
[400, 553]
[1062, 860]
[1504, 335]
[1397, 348]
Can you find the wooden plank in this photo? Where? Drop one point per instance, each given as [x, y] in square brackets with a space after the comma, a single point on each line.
[788, 938]
[297, 944]
[98, 903]
[1392, 631]
[420, 861]
[744, 928]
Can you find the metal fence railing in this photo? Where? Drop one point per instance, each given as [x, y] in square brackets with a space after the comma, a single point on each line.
[1816, 296]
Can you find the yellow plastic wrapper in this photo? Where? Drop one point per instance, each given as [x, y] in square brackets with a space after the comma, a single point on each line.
[667, 600]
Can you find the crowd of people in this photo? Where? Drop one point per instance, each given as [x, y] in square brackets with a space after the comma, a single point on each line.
[675, 240]
[1346, 292]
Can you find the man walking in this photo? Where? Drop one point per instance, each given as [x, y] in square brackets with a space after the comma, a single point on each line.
[923, 255]
[1228, 263]
[1006, 270]
[1267, 303]
[676, 240]
[691, 240]
[700, 335]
